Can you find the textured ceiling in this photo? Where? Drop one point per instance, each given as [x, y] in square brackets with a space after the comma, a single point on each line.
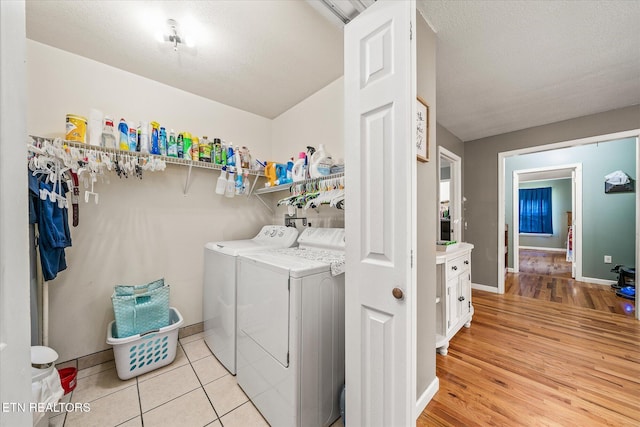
[510, 65]
[502, 65]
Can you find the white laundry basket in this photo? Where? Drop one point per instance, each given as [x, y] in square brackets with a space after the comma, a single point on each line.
[141, 353]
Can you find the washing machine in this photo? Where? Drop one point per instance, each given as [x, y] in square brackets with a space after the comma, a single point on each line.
[219, 289]
[291, 329]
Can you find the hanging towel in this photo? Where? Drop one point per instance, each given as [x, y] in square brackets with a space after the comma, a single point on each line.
[53, 228]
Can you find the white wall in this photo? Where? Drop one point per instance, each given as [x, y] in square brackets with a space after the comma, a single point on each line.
[15, 361]
[319, 119]
[141, 229]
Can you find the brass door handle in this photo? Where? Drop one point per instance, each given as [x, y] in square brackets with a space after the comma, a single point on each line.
[397, 293]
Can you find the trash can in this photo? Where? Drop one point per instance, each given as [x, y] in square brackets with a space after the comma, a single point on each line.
[45, 382]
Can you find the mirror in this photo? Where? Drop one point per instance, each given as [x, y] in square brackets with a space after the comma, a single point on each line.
[449, 195]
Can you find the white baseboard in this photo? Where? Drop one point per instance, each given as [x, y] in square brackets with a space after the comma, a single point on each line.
[426, 396]
[545, 249]
[597, 281]
[492, 289]
[510, 270]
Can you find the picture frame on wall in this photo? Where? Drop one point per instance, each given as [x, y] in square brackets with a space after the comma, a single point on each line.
[422, 129]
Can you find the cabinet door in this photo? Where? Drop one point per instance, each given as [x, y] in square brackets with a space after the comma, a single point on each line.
[463, 302]
[453, 309]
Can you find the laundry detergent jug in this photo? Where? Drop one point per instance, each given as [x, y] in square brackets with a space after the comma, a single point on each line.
[321, 163]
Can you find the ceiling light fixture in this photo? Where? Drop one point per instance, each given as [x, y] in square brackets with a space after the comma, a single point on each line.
[173, 37]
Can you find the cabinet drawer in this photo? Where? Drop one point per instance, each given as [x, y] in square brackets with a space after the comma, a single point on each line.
[458, 265]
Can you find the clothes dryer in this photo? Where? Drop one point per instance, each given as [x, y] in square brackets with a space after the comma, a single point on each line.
[219, 292]
[291, 329]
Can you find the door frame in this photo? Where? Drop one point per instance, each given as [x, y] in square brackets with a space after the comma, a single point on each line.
[502, 156]
[455, 200]
[576, 183]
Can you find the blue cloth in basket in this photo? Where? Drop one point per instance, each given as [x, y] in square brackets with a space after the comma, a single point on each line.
[142, 308]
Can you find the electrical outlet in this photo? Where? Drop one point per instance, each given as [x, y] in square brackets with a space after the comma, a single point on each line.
[607, 259]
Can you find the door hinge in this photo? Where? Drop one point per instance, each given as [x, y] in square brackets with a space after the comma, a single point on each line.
[411, 31]
[289, 285]
[411, 258]
[287, 358]
[448, 323]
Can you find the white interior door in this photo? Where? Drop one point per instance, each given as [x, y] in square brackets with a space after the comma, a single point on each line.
[380, 98]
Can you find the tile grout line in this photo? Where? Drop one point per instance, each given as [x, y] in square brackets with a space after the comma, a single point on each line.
[202, 386]
[139, 402]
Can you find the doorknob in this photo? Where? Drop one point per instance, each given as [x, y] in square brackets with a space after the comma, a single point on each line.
[397, 293]
[461, 298]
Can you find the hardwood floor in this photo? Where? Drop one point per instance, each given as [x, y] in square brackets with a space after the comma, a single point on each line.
[547, 276]
[549, 354]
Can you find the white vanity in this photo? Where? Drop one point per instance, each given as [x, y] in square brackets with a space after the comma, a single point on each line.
[453, 293]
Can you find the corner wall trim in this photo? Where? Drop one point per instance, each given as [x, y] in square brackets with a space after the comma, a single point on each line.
[485, 288]
[426, 396]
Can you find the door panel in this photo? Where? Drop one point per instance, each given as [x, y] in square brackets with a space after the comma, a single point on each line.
[380, 99]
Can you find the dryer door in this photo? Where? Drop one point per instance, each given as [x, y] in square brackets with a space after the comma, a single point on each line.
[263, 307]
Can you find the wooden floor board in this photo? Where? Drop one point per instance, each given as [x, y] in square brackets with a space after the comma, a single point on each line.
[533, 362]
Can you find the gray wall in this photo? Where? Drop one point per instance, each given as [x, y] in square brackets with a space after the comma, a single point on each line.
[560, 205]
[427, 210]
[481, 177]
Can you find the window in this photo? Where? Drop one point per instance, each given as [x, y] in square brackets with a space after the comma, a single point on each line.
[535, 210]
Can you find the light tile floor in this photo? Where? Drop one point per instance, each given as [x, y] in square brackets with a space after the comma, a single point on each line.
[195, 390]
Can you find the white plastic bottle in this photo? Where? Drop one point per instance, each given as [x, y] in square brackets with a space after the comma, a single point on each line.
[299, 171]
[230, 189]
[144, 137]
[321, 163]
[221, 184]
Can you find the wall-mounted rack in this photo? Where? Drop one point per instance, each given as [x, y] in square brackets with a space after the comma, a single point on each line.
[289, 186]
[166, 159]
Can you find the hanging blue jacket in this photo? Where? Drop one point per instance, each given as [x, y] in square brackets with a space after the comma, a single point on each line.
[53, 228]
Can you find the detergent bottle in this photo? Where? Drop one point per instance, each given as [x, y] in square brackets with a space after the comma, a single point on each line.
[270, 173]
[299, 170]
[221, 184]
[321, 163]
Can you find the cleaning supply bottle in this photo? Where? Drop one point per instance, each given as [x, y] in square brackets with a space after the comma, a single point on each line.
[239, 181]
[321, 163]
[123, 131]
[270, 173]
[230, 189]
[155, 137]
[180, 143]
[144, 138]
[163, 141]
[221, 184]
[108, 139]
[172, 146]
[299, 170]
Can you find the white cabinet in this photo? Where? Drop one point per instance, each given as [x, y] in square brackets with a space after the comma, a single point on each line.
[453, 293]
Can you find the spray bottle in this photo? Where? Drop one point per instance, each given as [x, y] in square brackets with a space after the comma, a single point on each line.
[230, 189]
[238, 182]
[221, 184]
